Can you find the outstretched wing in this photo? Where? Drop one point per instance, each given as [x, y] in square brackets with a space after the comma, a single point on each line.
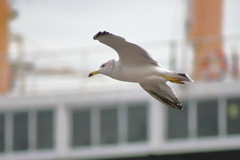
[128, 53]
[162, 92]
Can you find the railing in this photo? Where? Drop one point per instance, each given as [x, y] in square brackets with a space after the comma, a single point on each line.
[66, 70]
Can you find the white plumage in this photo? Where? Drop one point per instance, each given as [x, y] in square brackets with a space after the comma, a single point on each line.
[136, 65]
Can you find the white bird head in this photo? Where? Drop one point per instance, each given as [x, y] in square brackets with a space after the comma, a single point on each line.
[106, 68]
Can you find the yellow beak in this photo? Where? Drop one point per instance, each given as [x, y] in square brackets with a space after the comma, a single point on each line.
[93, 73]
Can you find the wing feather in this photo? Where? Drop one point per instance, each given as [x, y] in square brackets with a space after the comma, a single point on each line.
[162, 92]
[128, 53]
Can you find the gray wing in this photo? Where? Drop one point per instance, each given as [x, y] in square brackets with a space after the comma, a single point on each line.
[128, 53]
[163, 93]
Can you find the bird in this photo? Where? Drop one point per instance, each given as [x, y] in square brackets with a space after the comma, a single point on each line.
[136, 65]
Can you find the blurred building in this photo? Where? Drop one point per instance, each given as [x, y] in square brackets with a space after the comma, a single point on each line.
[59, 113]
[122, 123]
[52, 111]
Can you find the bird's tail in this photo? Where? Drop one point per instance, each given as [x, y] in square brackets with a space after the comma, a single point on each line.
[178, 77]
[184, 77]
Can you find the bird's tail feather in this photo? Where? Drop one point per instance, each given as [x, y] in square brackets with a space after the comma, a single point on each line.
[184, 77]
[177, 77]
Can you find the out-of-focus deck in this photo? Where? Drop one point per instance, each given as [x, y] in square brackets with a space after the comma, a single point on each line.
[66, 70]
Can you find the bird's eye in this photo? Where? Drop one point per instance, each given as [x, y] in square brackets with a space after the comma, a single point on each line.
[103, 65]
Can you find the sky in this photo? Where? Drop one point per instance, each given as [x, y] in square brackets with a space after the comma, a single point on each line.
[66, 24]
[231, 14]
[55, 24]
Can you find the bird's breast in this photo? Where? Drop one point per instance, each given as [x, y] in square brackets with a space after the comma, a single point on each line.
[137, 74]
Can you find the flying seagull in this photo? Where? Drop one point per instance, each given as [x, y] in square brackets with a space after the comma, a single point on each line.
[136, 65]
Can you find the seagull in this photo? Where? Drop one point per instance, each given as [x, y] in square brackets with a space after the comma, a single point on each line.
[136, 65]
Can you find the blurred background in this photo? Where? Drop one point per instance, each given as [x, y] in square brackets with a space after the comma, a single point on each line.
[51, 110]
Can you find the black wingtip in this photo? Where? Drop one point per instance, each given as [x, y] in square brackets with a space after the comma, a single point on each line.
[180, 108]
[101, 34]
[95, 37]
